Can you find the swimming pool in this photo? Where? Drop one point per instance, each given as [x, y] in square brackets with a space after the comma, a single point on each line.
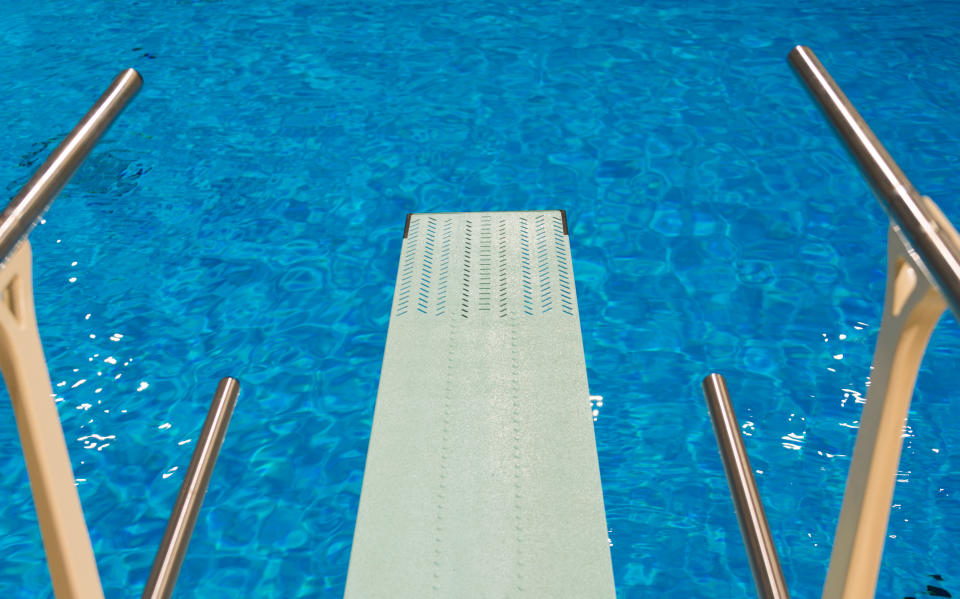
[244, 217]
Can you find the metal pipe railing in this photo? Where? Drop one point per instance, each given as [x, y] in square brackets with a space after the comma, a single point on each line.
[176, 538]
[761, 552]
[23, 211]
[915, 215]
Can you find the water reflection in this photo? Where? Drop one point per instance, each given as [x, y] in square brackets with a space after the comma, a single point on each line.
[596, 402]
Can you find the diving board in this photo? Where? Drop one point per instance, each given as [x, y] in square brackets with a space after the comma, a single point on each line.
[481, 478]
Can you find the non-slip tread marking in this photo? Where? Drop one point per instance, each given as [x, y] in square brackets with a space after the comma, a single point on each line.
[563, 271]
[444, 260]
[493, 252]
[407, 263]
[502, 267]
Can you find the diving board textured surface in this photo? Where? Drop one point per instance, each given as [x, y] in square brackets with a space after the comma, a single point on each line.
[481, 478]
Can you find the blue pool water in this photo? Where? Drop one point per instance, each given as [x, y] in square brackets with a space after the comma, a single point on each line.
[244, 217]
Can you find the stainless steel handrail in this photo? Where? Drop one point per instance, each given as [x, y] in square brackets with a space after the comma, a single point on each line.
[761, 552]
[23, 211]
[176, 538]
[914, 214]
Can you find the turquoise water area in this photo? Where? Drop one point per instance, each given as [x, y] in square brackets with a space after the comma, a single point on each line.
[244, 217]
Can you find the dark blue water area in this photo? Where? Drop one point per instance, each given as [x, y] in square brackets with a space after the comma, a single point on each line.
[244, 217]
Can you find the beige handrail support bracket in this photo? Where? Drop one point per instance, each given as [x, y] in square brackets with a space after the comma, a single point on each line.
[912, 307]
[73, 568]
[66, 541]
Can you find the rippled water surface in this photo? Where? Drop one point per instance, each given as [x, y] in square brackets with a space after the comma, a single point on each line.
[244, 217]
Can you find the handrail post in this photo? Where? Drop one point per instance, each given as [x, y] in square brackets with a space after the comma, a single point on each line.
[66, 541]
[176, 538]
[923, 279]
[767, 575]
